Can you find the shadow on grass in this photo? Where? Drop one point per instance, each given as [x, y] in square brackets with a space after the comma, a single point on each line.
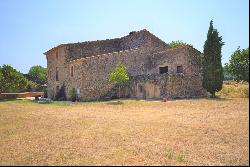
[28, 101]
[15, 100]
[6, 100]
[115, 102]
[219, 99]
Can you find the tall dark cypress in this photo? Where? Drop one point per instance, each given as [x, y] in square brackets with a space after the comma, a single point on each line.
[212, 67]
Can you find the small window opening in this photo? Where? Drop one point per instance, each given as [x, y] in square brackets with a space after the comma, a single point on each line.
[57, 78]
[179, 69]
[163, 70]
[56, 54]
[72, 71]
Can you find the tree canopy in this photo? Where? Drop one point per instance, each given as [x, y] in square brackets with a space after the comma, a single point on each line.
[11, 80]
[119, 76]
[212, 67]
[238, 65]
[38, 74]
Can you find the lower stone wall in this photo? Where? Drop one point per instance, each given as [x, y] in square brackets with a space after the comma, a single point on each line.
[159, 87]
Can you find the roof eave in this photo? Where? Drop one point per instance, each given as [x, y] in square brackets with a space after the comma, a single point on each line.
[50, 50]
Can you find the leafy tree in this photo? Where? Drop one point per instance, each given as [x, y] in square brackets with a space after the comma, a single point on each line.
[38, 73]
[178, 43]
[119, 76]
[11, 80]
[239, 64]
[213, 71]
[31, 86]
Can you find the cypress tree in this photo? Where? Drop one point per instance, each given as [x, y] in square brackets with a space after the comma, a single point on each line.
[212, 67]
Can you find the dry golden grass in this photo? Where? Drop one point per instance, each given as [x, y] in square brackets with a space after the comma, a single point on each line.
[234, 90]
[181, 132]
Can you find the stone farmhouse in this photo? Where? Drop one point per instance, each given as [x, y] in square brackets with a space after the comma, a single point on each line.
[156, 70]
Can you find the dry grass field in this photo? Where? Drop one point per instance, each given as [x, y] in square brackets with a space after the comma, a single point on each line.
[178, 132]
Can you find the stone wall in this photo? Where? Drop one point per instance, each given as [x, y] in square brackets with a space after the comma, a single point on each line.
[54, 62]
[165, 86]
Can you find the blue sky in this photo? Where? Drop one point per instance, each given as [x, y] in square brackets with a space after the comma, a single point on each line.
[30, 27]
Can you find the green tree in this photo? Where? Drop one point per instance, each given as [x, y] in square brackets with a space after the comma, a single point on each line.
[31, 86]
[119, 76]
[11, 80]
[39, 73]
[213, 71]
[178, 43]
[226, 72]
[239, 64]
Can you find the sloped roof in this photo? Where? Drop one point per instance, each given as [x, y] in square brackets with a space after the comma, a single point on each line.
[108, 45]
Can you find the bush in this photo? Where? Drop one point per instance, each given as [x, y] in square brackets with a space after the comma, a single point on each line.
[178, 43]
[61, 95]
[73, 95]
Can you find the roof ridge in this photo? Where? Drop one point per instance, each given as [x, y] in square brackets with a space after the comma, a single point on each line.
[94, 56]
[177, 48]
[120, 38]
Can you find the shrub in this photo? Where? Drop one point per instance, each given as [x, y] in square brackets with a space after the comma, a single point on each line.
[61, 95]
[73, 95]
[178, 43]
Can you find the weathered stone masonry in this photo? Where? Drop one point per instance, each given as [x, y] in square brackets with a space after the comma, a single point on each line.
[86, 67]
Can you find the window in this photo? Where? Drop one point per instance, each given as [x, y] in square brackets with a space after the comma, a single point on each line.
[57, 54]
[72, 71]
[179, 69]
[57, 79]
[163, 70]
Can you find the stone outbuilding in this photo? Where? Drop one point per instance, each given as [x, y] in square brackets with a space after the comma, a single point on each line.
[156, 70]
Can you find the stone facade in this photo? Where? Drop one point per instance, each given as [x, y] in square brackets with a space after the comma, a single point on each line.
[86, 67]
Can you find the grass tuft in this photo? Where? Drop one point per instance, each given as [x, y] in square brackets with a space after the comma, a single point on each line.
[180, 157]
[169, 153]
